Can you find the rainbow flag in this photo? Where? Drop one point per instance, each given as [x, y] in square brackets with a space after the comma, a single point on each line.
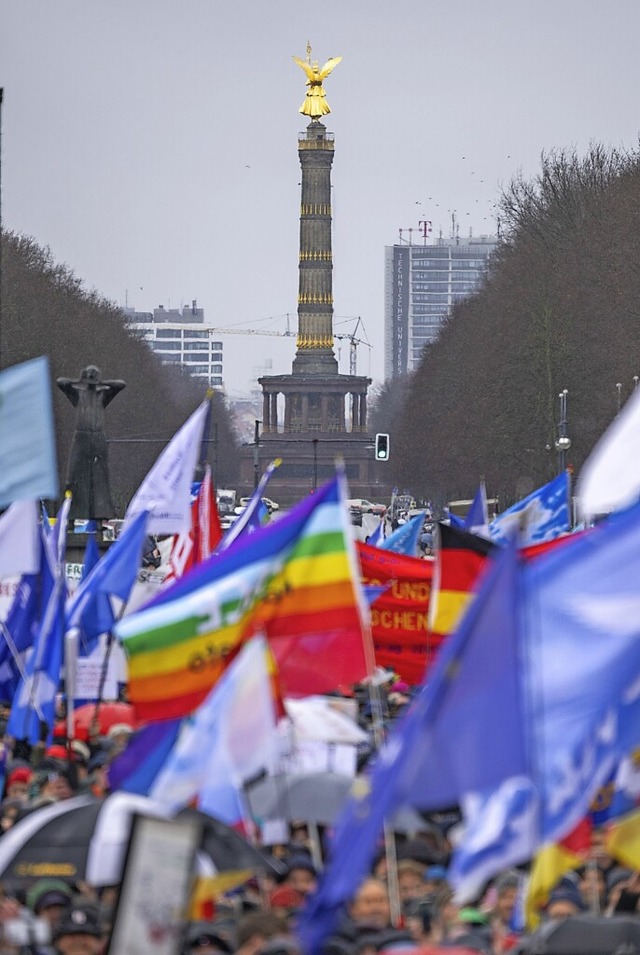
[296, 581]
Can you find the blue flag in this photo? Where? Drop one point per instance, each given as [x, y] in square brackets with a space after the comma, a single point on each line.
[20, 628]
[91, 552]
[477, 519]
[135, 769]
[255, 513]
[112, 576]
[404, 539]
[582, 619]
[35, 698]
[458, 522]
[472, 697]
[377, 537]
[539, 517]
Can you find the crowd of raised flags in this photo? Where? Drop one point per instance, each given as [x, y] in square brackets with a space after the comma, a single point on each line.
[522, 639]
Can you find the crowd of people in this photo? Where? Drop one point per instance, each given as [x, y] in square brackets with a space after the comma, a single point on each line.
[404, 904]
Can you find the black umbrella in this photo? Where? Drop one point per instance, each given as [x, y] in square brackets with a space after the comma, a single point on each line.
[587, 935]
[227, 848]
[86, 838]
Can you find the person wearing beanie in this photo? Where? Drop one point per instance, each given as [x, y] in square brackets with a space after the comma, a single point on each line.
[285, 901]
[17, 785]
[565, 900]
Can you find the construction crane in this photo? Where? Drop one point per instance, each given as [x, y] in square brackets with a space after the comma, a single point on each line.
[349, 336]
[353, 343]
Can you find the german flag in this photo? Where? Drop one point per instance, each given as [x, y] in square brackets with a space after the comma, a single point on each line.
[460, 558]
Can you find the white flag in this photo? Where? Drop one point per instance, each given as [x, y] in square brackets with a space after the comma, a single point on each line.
[610, 477]
[166, 490]
[19, 539]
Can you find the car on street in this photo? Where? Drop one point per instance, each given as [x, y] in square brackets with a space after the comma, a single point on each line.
[362, 505]
[270, 505]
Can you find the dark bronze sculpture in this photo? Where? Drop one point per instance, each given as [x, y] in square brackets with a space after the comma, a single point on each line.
[88, 471]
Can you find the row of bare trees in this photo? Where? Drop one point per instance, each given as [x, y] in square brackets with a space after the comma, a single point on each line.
[45, 310]
[560, 309]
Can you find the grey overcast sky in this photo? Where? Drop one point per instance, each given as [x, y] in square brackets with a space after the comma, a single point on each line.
[152, 144]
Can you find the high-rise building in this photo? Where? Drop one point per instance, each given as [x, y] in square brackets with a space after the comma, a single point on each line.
[180, 336]
[422, 283]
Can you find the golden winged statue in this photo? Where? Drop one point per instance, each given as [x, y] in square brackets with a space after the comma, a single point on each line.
[315, 102]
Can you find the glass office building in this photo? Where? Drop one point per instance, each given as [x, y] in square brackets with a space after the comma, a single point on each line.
[422, 283]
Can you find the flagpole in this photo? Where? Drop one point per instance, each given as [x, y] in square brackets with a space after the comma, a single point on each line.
[70, 674]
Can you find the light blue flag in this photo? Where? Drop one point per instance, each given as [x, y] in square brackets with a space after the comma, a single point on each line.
[404, 539]
[539, 517]
[35, 699]
[27, 441]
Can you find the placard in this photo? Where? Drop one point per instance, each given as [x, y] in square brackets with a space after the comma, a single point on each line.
[156, 885]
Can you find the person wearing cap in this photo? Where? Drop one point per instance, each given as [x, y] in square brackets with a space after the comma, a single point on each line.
[79, 933]
[205, 938]
[50, 899]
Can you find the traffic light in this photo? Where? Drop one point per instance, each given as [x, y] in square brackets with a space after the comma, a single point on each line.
[382, 447]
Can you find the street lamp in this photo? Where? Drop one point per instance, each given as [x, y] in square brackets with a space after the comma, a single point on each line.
[315, 465]
[563, 441]
[256, 451]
